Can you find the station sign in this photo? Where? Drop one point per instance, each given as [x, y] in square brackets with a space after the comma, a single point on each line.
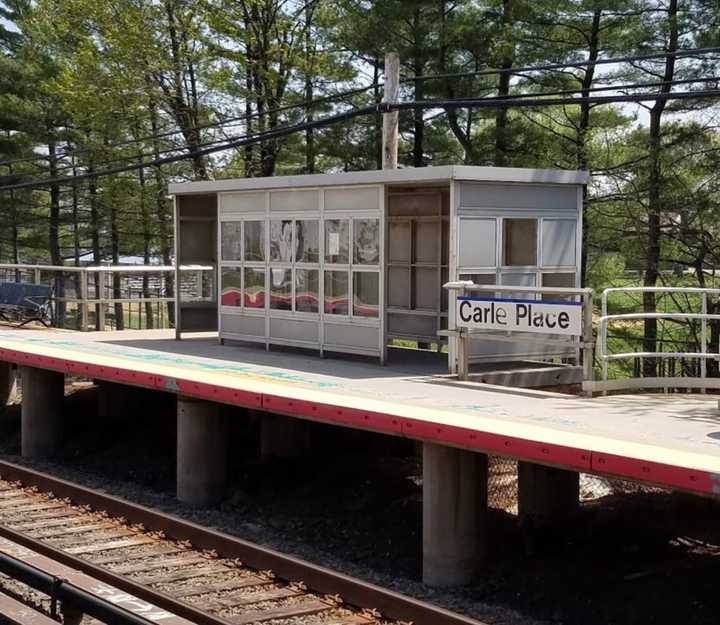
[519, 315]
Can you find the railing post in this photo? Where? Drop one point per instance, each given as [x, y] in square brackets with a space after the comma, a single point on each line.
[100, 281]
[587, 338]
[703, 340]
[36, 275]
[84, 310]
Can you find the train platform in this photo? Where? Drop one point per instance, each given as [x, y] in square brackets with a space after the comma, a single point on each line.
[672, 440]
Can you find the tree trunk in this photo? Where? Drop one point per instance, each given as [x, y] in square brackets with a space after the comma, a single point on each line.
[584, 127]
[655, 202]
[503, 89]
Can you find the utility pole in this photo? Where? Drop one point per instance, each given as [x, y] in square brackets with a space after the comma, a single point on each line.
[391, 120]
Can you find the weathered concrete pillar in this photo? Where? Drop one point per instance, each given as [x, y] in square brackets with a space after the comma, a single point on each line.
[41, 413]
[454, 514]
[546, 495]
[202, 450]
[7, 382]
[285, 438]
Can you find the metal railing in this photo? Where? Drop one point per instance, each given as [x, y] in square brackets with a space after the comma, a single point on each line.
[582, 346]
[94, 289]
[703, 355]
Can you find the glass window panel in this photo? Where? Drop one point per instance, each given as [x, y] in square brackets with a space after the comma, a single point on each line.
[254, 294]
[366, 293]
[558, 242]
[336, 292]
[477, 242]
[231, 240]
[307, 290]
[519, 242]
[281, 240]
[366, 241]
[254, 238]
[281, 289]
[231, 287]
[337, 241]
[479, 278]
[518, 279]
[307, 241]
[564, 280]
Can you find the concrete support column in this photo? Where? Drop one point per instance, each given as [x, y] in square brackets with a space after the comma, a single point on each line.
[546, 495]
[285, 438]
[112, 399]
[202, 450]
[7, 382]
[454, 514]
[41, 413]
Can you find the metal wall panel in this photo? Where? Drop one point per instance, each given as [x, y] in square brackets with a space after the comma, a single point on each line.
[558, 242]
[517, 196]
[350, 335]
[239, 203]
[362, 198]
[243, 324]
[295, 200]
[294, 330]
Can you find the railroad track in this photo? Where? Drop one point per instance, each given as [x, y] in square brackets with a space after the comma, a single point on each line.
[153, 564]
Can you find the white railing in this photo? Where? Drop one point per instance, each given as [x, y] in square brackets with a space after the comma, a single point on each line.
[702, 382]
[93, 288]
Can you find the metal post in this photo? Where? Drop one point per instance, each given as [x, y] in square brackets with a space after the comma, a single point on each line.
[36, 275]
[703, 340]
[463, 368]
[84, 310]
[100, 281]
[587, 337]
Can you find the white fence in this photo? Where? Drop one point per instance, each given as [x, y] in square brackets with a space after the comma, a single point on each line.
[110, 295]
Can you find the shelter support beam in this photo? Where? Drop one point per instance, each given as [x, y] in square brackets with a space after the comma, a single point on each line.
[202, 451]
[454, 514]
[41, 412]
[546, 495]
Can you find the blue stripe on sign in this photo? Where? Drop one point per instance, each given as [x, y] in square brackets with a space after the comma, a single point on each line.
[519, 301]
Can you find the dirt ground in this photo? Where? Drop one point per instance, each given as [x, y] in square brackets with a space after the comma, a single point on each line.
[355, 504]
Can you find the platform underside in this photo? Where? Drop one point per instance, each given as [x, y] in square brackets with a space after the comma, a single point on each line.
[667, 439]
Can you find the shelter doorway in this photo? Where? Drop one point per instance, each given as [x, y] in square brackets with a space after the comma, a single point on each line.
[417, 253]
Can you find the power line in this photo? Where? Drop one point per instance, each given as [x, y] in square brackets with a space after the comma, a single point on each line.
[488, 99]
[383, 107]
[687, 52]
[218, 124]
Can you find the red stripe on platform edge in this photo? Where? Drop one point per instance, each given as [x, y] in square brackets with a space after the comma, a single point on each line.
[523, 449]
[328, 413]
[211, 392]
[66, 365]
[657, 473]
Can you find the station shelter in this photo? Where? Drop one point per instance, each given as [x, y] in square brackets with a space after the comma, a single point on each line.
[356, 262]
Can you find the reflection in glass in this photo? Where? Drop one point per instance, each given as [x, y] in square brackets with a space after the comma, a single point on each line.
[281, 289]
[366, 294]
[336, 292]
[254, 240]
[307, 241]
[281, 240]
[307, 283]
[254, 287]
[231, 240]
[231, 288]
[337, 241]
[366, 241]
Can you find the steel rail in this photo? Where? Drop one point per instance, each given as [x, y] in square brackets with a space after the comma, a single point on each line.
[355, 592]
[67, 592]
[160, 599]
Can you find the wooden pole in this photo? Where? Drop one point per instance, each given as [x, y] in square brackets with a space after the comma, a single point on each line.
[391, 120]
